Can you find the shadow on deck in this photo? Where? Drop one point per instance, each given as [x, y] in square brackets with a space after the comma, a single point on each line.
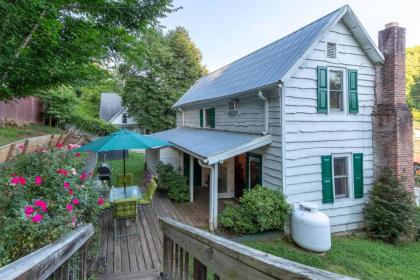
[140, 256]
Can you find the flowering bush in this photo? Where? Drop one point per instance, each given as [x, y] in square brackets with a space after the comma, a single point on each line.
[44, 195]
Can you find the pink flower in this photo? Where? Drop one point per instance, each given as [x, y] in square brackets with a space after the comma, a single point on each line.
[19, 180]
[62, 171]
[75, 201]
[38, 180]
[69, 207]
[20, 147]
[37, 218]
[77, 154]
[22, 180]
[28, 210]
[41, 204]
[100, 201]
[59, 145]
[14, 181]
[66, 185]
[83, 176]
[71, 192]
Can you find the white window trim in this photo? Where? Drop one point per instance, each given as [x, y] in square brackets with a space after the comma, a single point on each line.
[345, 97]
[349, 176]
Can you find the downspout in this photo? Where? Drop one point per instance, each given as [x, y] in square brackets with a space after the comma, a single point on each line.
[183, 116]
[265, 100]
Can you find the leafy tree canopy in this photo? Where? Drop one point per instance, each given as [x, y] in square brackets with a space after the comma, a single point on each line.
[413, 78]
[45, 43]
[169, 64]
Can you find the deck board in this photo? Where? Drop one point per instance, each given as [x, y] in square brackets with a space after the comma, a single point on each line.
[142, 252]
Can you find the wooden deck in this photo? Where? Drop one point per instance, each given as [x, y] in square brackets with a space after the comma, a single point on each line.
[138, 256]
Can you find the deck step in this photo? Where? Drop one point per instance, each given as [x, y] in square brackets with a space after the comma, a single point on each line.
[152, 274]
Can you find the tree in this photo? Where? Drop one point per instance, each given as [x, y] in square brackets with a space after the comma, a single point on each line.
[168, 66]
[413, 78]
[45, 43]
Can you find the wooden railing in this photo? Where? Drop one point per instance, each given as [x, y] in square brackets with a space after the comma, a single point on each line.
[54, 260]
[191, 253]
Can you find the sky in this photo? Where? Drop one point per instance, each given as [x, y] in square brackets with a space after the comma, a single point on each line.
[228, 30]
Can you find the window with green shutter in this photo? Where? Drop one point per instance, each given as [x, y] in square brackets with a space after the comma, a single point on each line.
[211, 118]
[327, 182]
[201, 118]
[358, 175]
[352, 87]
[322, 96]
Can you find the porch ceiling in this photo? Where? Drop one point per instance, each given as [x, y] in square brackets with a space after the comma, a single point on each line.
[212, 146]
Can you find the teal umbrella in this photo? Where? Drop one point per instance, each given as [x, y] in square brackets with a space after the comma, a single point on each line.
[123, 140]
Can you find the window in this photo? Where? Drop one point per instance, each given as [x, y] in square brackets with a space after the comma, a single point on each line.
[341, 178]
[124, 118]
[210, 118]
[254, 170]
[331, 50]
[336, 90]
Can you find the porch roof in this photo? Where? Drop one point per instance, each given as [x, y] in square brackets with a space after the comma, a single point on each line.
[212, 146]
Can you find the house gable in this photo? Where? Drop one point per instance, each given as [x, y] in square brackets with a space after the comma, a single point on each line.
[310, 135]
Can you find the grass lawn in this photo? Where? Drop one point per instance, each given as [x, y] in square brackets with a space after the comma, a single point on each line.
[353, 256]
[12, 134]
[133, 164]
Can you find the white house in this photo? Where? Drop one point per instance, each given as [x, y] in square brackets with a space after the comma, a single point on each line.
[296, 115]
[112, 111]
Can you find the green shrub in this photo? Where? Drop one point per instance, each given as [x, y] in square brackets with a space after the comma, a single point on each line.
[89, 124]
[260, 209]
[173, 183]
[235, 219]
[43, 196]
[390, 213]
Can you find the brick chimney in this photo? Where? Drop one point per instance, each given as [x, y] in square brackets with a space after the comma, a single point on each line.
[392, 121]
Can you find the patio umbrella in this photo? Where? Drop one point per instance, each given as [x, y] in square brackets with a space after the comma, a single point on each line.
[122, 140]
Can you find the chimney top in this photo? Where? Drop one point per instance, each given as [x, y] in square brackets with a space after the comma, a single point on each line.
[391, 24]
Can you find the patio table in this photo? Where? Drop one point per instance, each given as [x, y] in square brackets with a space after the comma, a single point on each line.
[118, 193]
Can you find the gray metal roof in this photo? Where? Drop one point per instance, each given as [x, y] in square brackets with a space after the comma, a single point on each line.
[268, 65]
[205, 143]
[111, 104]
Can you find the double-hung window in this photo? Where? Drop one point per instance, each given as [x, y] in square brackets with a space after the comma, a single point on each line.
[341, 177]
[336, 90]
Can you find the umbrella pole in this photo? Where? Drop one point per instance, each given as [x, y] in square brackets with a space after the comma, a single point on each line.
[125, 184]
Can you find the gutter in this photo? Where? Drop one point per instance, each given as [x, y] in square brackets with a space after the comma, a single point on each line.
[265, 100]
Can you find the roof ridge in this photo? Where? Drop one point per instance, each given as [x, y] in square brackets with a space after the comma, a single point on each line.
[272, 43]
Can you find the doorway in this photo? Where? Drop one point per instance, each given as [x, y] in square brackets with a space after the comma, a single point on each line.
[240, 170]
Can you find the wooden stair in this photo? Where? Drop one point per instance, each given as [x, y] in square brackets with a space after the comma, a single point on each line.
[151, 274]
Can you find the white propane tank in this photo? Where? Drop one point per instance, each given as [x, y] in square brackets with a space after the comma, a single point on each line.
[311, 228]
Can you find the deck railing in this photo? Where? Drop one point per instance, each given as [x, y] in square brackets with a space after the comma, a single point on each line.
[191, 253]
[54, 260]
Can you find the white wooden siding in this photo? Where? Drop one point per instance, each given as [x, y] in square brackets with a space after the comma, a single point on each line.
[250, 119]
[309, 135]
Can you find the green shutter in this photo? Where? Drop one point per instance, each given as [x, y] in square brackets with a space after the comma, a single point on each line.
[358, 175]
[212, 117]
[353, 98]
[327, 184]
[201, 118]
[322, 95]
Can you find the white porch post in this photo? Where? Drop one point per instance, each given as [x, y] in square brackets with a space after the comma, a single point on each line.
[191, 178]
[213, 193]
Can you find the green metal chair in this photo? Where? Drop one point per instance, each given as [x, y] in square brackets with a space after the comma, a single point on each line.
[125, 209]
[148, 196]
[128, 178]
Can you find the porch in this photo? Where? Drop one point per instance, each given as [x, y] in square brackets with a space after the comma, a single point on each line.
[141, 255]
[224, 162]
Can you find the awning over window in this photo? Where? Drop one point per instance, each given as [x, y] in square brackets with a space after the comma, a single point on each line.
[212, 146]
